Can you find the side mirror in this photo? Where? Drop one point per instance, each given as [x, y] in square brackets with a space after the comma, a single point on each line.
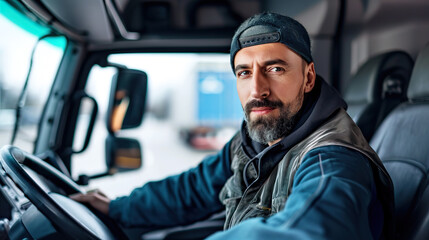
[125, 110]
[127, 100]
[122, 154]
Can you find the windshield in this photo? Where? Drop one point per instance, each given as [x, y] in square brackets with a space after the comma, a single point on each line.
[192, 110]
[19, 37]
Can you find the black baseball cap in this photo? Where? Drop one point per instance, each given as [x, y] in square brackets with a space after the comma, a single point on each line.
[270, 28]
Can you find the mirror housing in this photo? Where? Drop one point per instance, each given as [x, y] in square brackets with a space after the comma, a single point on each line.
[122, 154]
[127, 100]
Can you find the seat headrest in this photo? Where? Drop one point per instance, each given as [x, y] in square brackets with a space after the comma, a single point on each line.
[419, 82]
[373, 80]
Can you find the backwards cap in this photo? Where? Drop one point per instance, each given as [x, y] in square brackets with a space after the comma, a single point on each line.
[270, 28]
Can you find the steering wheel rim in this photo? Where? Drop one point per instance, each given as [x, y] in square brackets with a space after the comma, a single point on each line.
[11, 159]
[52, 174]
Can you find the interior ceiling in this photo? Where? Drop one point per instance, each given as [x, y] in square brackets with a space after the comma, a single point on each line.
[153, 22]
[169, 23]
[88, 18]
[105, 21]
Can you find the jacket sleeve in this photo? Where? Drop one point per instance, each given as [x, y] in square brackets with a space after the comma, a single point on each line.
[333, 192]
[178, 199]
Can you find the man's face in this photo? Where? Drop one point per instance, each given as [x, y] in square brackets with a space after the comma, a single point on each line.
[271, 82]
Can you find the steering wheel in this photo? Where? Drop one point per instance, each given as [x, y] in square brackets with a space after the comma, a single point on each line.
[69, 218]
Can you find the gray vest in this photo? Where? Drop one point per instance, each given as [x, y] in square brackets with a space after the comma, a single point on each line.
[264, 200]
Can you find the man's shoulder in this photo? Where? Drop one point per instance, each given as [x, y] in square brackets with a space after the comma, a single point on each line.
[338, 129]
[336, 151]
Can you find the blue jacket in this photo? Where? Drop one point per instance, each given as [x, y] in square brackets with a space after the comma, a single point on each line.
[322, 206]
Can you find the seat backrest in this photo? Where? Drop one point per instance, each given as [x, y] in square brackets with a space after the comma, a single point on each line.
[378, 86]
[402, 143]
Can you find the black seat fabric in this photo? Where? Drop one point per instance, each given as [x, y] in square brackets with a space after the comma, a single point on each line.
[377, 87]
[402, 142]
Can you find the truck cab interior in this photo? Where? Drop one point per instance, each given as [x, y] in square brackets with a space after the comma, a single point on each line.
[111, 94]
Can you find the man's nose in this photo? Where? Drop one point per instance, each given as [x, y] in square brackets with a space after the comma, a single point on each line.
[260, 86]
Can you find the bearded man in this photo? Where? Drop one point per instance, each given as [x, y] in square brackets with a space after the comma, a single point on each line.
[299, 168]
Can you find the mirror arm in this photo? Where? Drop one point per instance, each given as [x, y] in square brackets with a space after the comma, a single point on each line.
[105, 63]
[84, 179]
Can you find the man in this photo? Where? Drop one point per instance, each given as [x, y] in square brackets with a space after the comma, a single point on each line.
[298, 169]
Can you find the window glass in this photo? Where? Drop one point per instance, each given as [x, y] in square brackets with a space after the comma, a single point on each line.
[192, 110]
[19, 37]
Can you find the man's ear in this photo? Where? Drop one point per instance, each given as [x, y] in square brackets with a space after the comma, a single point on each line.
[310, 77]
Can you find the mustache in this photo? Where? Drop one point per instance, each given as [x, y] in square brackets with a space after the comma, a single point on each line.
[262, 103]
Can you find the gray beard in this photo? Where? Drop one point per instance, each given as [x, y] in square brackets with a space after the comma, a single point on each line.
[268, 129]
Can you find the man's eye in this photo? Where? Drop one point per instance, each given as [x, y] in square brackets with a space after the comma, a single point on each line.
[243, 73]
[275, 69]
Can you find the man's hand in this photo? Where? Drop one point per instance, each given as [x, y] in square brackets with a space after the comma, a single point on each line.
[95, 198]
